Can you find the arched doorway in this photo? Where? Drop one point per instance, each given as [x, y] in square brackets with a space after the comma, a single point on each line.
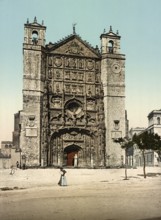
[71, 155]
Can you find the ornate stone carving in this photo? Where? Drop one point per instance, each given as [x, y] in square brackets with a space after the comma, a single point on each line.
[58, 61]
[90, 104]
[90, 64]
[74, 48]
[56, 102]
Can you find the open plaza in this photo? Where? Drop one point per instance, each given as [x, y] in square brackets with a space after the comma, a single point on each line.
[90, 194]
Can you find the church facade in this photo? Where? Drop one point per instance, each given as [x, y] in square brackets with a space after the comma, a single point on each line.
[73, 100]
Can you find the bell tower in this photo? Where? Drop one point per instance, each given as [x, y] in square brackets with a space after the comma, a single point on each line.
[113, 79]
[33, 89]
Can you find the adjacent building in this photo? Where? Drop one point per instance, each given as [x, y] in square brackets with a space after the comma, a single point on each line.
[151, 157]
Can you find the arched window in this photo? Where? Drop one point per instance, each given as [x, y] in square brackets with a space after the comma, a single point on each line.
[158, 120]
[110, 46]
[35, 37]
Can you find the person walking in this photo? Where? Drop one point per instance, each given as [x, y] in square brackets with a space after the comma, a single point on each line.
[17, 164]
[63, 180]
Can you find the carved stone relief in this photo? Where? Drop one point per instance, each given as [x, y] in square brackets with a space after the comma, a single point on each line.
[56, 117]
[75, 48]
[56, 102]
[89, 77]
[58, 61]
[67, 74]
[50, 73]
[90, 64]
[58, 74]
[90, 104]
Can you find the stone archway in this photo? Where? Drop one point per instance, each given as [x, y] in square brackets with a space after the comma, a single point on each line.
[71, 155]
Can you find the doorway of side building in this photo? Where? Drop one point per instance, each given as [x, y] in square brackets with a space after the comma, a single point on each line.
[72, 155]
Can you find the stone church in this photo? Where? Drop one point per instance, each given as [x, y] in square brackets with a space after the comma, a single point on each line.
[73, 101]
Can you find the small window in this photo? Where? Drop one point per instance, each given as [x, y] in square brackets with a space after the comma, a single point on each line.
[158, 120]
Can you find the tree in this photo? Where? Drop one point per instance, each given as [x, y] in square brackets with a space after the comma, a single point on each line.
[147, 141]
[125, 143]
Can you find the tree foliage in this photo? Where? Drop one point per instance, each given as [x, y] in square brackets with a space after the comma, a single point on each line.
[126, 144]
[147, 141]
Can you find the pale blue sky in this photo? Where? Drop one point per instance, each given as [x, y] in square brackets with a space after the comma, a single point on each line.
[138, 22]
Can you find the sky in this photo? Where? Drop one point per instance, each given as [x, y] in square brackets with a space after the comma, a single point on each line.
[138, 22]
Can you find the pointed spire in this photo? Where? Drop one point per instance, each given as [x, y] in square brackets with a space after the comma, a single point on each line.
[110, 28]
[35, 19]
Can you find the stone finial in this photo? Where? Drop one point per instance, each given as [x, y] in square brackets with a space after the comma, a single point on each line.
[104, 31]
[35, 19]
[27, 21]
[42, 22]
[117, 32]
[110, 28]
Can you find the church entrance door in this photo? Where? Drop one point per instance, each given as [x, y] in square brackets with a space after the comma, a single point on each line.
[72, 154]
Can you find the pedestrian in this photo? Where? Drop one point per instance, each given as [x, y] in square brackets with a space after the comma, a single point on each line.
[63, 180]
[17, 164]
[23, 166]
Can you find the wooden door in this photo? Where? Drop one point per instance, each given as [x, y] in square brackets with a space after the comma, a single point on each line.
[70, 158]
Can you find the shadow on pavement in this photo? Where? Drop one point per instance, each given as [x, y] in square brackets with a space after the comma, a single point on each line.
[151, 174]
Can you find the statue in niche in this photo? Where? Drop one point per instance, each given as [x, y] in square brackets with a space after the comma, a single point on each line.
[50, 87]
[50, 74]
[89, 92]
[81, 64]
[74, 75]
[80, 90]
[67, 88]
[57, 74]
[67, 74]
[89, 77]
[72, 63]
[57, 88]
[97, 77]
[74, 91]
[97, 91]
[67, 62]
[80, 76]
